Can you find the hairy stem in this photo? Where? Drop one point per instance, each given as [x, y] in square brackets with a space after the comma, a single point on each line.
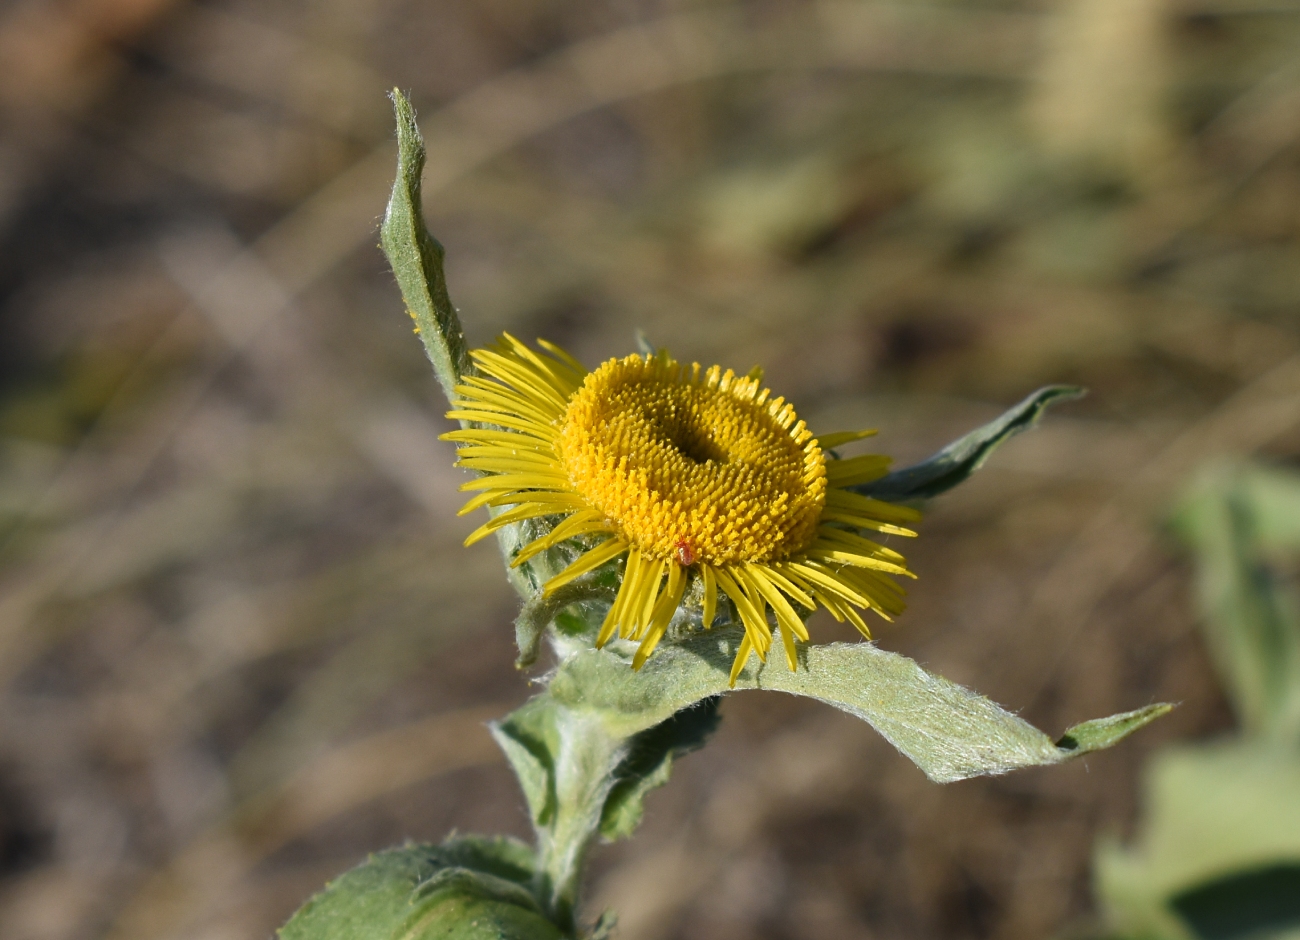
[586, 761]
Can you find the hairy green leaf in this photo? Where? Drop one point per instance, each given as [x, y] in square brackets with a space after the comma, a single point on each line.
[530, 740]
[1100, 733]
[466, 889]
[956, 462]
[416, 257]
[649, 763]
[949, 732]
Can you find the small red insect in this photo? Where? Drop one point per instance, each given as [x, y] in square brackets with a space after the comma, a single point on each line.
[685, 554]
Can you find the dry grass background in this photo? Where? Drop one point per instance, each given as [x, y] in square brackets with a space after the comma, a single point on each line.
[240, 645]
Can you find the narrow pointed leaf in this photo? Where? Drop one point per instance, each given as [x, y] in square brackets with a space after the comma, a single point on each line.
[417, 257]
[956, 462]
[1101, 733]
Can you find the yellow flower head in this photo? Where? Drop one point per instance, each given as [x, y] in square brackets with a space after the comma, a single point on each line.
[690, 473]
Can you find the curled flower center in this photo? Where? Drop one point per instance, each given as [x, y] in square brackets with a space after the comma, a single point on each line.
[693, 467]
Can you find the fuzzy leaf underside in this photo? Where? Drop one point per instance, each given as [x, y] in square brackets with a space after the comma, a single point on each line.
[530, 740]
[466, 889]
[649, 763]
[956, 462]
[417, 258]
[949, 732]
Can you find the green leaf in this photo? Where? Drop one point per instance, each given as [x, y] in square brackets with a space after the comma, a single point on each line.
[1261, 903]
[416, 257]
[949, 732]
[964, 456]
[1101, 733]
[649, 763]
[530, 740]
[581, 776]
[589, 748]
[1220, 815]
[605, 927]
[466, 889]
[1243, 523]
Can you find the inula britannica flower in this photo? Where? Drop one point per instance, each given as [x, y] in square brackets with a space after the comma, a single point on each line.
[691, 474]
[638, 501]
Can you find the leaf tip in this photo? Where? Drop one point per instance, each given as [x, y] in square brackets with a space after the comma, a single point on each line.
[1101, 733]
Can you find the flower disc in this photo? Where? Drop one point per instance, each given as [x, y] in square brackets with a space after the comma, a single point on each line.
[693, 467]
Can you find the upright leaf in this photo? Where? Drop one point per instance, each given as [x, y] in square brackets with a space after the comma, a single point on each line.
[416, 257]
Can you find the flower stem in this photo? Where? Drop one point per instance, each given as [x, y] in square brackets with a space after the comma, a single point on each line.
[586, 760]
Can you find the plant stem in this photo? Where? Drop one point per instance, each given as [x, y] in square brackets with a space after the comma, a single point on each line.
[587, 759]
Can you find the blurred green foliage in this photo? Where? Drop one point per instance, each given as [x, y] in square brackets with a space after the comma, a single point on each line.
[1218, 851]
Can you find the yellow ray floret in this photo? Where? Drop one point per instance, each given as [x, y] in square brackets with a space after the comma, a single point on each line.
[685, 474]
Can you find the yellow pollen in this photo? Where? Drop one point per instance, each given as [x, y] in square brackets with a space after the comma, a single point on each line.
[693, 466]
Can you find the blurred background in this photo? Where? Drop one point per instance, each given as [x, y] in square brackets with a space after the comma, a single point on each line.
[240, 644]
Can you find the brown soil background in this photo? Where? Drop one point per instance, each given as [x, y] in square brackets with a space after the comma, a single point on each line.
[240, 644]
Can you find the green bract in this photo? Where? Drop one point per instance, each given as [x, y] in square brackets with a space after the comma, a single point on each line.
[588, 748]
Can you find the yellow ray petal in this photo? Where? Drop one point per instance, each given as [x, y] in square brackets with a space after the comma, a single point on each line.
[561, 502]
[488, 436]
[503, 465]
[653, 578]
[756, 628]
[580, 523]
[562, 380]
[840, 438]
[855, 470]
[521, 377]
[820, 553]
[785, 614]
[579, 369]
[518, 514]
[851, 541]
[862, 522]
[503, 420]
[742, 654]
[606, 550]
[627, 595]
[710, 596]
[517, 481]
[791, 653]
[669, 601]
[776, 573]
[828, 580]
[875, 508]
